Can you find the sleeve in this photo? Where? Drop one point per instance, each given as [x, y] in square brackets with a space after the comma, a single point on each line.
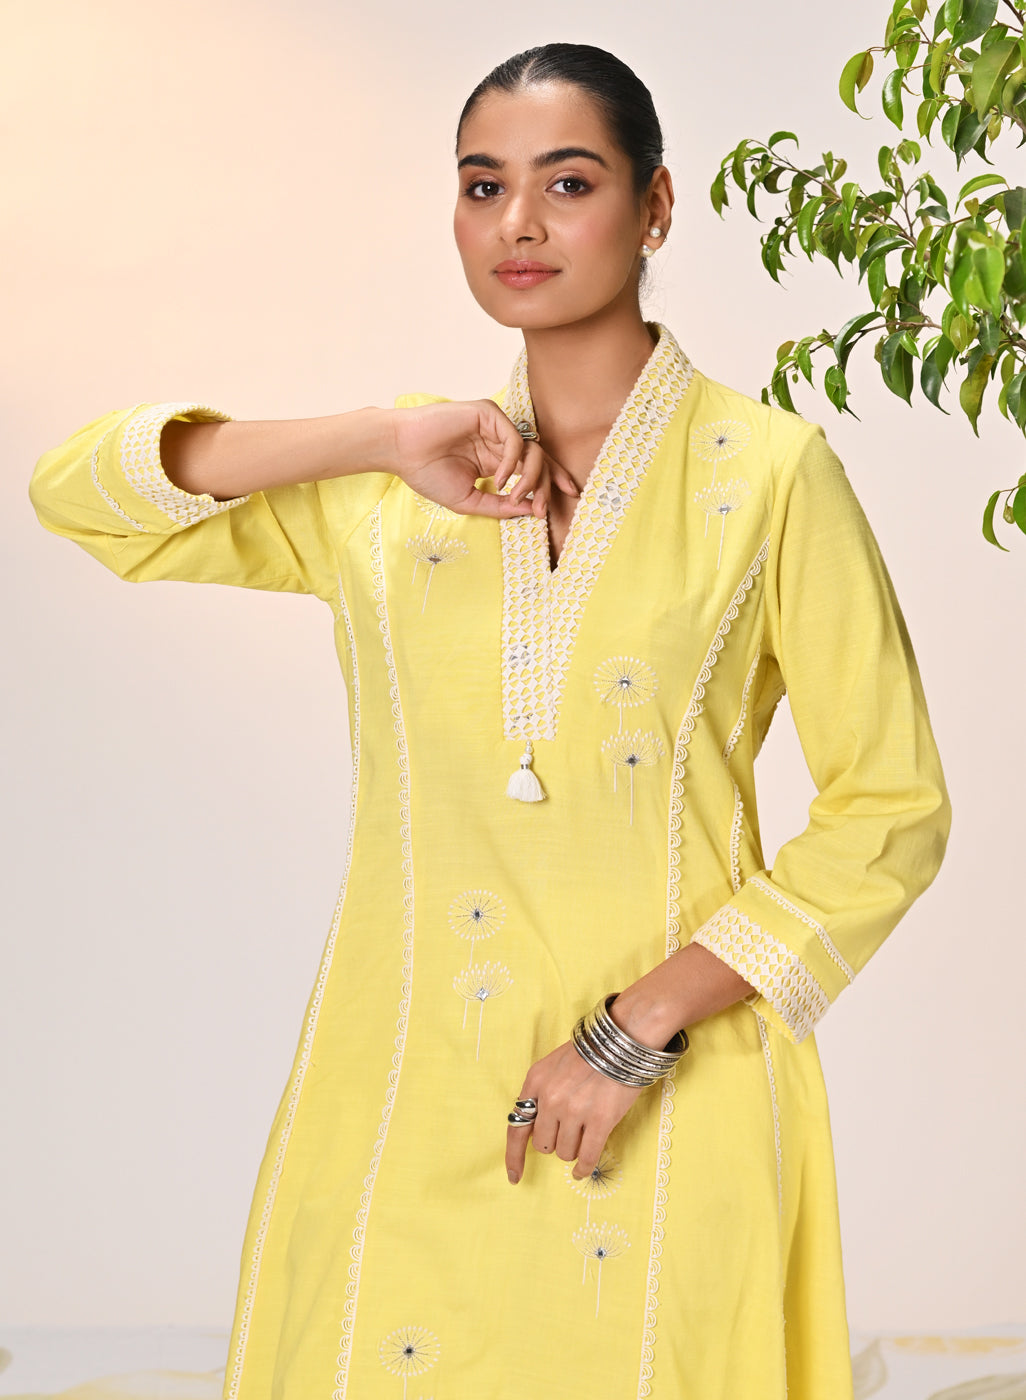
[106, 489]
[879, 824]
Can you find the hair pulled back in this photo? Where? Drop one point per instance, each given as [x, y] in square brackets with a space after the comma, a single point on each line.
[622, 97]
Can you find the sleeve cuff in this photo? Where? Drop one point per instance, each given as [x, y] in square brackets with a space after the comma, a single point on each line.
[783, 951]
[142, 472]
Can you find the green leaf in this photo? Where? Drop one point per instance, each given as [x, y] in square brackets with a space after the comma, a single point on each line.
[781, 136]
[967, 134]
[989, 73]
[939, 254]
[1015, 207]
[1015, 397]
[1019, 508]
[784, 351]
[951, 13]
[718, 193]
[988, 522]
[918, 8]
[970, 395]
[836, 386]
[781, 391]
[896, 364]
[856, 74]
[803, 360]
[806, 219]
[876, 279]
[845, 338]
[979, 182]
[738, 165]
[891, 97]
[989, 333]
[880, 247]
[938, 58]
[976, 18]
[966, 288]
[926, 115]
[989, 264]
[931, 380]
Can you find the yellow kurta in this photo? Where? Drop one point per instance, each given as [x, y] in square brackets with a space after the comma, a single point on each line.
[716, 555]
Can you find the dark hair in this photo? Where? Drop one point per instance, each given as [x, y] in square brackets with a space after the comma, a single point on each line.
[622, 97]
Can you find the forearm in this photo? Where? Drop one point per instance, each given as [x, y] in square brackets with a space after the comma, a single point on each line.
[689, 985]
[226, 460]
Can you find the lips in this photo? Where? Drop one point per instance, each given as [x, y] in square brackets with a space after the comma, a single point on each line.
[523, 265]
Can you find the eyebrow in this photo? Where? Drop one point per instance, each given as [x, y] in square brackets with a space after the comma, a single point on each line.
[538, 162]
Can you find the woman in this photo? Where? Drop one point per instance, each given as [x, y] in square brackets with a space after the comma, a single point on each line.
[565, 615]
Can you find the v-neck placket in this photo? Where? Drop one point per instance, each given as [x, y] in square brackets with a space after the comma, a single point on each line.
[542, 607]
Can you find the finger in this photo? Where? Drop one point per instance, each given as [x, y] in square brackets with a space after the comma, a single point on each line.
[531, 470]
[564, 480]
[593, 1141]
[512, 453]
[545, 1131]
[479, 502]
[568, 1141]
[516, 1150]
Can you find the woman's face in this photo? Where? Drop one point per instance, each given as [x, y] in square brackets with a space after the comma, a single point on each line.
[541, 181]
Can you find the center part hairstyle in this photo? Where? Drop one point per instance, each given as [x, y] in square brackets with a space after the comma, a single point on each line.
[624, 100]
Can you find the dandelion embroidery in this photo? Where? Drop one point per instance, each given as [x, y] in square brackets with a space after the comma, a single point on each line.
[475, 914]
[479, 983]
[723, 500]
[432, 550]
[718, 442]
[600, 1242]
[434, 511]
[408, 1351]
[624, 680]
[600, 1183]
[638, 750]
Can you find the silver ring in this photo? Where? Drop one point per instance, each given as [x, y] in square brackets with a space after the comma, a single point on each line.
[518, 1121]
[526, 431]
[527, 1106]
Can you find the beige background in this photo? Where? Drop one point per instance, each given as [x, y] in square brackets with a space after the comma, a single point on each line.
[250, 205]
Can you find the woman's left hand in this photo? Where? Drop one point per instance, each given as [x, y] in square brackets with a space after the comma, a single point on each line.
[577, 1110]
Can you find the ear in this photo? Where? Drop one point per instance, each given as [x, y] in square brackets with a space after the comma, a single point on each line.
[659, 199]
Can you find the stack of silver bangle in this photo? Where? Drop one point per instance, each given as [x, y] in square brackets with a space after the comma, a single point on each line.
[617, 1055]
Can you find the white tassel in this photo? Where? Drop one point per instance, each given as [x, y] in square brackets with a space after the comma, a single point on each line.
[524, 784]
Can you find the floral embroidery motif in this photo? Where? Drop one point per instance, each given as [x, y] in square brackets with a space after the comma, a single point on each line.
[476, 914]
[600, 1242]
[141, 465]
[480, 982]
[718, 442]
[641, 749]
[432, 550]
[435, 511]
[542, 607]
[409, 1351]
[771, 967]
[625, 681]
[601, 1182]
[722, 499]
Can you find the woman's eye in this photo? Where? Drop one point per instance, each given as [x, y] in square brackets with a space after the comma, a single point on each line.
[478, 184]
[572, 180]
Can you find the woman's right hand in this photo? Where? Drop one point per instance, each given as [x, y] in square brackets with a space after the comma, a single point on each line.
[443, 449]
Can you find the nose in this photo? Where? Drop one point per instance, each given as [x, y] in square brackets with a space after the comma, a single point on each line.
[521, 219]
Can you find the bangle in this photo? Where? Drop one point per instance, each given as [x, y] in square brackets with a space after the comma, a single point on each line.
[610, 1050]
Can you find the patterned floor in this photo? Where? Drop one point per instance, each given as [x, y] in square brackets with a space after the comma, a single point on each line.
[177, 1363]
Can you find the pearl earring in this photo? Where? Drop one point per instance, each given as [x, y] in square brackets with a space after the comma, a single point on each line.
[646, 251]
[656, 232]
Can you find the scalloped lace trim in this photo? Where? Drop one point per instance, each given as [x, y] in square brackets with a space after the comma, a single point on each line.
[142, 468]
[810, 922]
[402, 756]
[237, 1361]
[771, 967]
[542, 607]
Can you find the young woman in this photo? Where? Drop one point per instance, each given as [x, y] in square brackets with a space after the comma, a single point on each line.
[565, 615]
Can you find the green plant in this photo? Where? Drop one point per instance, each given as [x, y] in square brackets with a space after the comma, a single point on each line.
[945, 280]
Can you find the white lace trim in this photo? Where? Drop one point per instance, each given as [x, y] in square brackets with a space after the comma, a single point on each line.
[542, 607]
[768, 1057]
[810, 922]
[94, 470]
[738, 730]
[402, 1022]
[662, 1183]
[680, 751]
[737, 820]
[234, 1375]
[769, 965]
[142, 468]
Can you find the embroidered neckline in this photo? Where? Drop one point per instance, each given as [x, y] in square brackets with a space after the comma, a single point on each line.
[542, 606]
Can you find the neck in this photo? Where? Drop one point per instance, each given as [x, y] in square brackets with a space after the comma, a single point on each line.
[581, 374]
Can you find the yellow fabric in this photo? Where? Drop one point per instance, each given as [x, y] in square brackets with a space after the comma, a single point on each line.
[717, 555]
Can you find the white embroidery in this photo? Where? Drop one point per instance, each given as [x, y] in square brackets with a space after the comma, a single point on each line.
[602, 1181]
[768, 1057]
[600, 1242]
[641, 749]
[402, 756]
[807, 919]
[722, 499]
[480, 982]
[680, 752]
[542, 607]
[141, 465]
[737, 820]
[313, 1012]
[433, 550]
[625, 681]
[409, 1351]
[769, 965]
[94, 471]
[718, 442]
[738, 730]
[655, 1250]
[476, 914]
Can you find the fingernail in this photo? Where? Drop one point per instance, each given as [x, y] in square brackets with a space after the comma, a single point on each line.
[513, 1176]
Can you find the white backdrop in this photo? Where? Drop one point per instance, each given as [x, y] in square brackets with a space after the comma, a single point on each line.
[250, 205]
